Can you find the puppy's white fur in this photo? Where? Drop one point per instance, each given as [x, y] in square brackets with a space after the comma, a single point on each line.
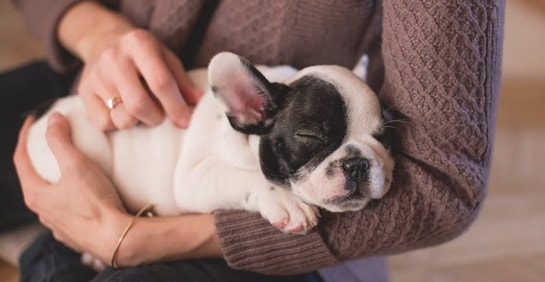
[179, 170]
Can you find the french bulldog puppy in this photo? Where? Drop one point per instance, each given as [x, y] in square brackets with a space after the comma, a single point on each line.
[272, 140]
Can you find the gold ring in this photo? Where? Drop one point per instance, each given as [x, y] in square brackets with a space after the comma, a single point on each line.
[112, 102]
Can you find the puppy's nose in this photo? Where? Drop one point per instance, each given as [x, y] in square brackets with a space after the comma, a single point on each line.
[356, 169]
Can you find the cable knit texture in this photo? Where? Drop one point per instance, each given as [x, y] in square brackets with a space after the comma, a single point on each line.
[436, 67]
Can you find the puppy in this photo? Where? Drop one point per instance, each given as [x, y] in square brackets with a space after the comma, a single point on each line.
[276, 141]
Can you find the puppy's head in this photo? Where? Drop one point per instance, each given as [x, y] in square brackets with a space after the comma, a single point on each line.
[317, 130]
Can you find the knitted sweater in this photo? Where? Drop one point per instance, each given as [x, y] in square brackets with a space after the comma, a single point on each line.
[434, 64]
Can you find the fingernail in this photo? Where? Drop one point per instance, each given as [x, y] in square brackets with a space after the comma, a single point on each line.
[54, 118]
[184, 121]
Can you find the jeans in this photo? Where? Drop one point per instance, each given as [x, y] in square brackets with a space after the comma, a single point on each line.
[47, 260]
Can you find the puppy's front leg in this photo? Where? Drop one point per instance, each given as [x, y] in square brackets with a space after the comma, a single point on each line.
[215, 184]
[283, 209]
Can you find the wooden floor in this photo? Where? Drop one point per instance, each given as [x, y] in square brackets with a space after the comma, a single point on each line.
[506, 243]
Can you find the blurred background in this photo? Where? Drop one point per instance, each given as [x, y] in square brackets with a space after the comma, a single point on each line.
[507, 242]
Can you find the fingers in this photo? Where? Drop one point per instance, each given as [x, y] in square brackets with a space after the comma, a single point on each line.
[149, 79]
[100, 114]
[93, 102]
[28, 177]
[59, 139]
[119, 116]
[136, 101]
[161, 82]
[20, 149]
[115, 75]
[191, 94]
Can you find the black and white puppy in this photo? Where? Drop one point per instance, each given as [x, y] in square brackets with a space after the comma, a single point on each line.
[280, 148]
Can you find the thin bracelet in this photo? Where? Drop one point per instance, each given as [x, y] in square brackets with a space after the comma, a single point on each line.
[146, 208]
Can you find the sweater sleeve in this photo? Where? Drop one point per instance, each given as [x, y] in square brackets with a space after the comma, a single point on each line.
[442, 64]
[42, 19]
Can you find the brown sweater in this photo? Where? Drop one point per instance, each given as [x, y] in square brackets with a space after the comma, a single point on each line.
[438, 69]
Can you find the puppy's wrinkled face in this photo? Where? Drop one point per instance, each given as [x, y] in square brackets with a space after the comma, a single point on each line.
[317, 131]
[322, 144]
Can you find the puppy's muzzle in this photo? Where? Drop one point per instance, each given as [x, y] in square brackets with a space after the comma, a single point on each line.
[356, 171]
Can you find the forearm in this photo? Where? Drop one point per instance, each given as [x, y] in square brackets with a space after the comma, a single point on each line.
[156, 239]
[251, 243]
[442, 74]
[442, 71]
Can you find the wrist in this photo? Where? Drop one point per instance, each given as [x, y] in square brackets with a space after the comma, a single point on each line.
[112, 225]
[169, 238]
[147, 210]
[89, 28]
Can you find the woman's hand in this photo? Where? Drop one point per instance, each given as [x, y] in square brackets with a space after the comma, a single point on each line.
[83, 206]
[84, 211]
[121, 61]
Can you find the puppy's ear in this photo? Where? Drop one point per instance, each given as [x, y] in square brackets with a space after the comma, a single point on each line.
[251, 100]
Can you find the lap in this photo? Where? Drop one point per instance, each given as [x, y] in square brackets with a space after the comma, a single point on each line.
[49, 260]
[211, 270]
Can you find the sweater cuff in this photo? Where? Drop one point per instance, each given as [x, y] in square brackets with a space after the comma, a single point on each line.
[251, 243]
[42, 19]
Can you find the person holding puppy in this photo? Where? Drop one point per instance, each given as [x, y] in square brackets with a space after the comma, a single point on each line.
[435, 66]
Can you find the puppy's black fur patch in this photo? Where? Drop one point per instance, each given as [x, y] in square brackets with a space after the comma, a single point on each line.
[307, 128]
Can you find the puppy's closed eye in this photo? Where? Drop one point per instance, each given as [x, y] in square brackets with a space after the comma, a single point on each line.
[309, 136]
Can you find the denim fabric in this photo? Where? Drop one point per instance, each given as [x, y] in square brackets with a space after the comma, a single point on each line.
[47, 260]
[211, 270]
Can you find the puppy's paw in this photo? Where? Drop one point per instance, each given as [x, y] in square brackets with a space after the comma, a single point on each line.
[287, 212]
